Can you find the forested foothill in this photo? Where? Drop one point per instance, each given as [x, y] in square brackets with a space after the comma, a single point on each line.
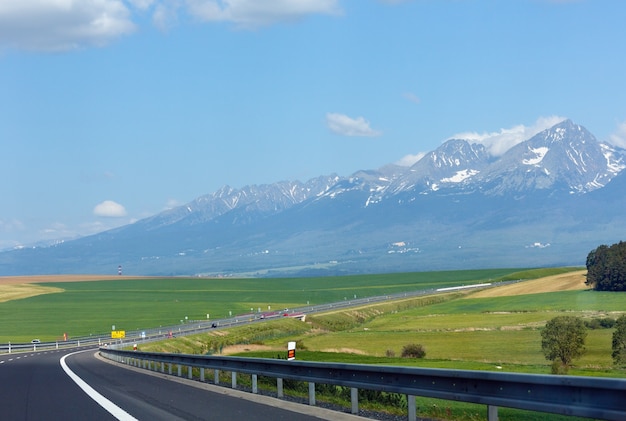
[606, 267]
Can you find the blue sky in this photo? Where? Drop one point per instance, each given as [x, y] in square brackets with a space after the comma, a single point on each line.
[115, 110]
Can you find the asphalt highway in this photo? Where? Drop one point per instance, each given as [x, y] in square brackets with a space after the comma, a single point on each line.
[35, 386]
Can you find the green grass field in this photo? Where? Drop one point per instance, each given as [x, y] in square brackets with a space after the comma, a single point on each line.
[86, 308]
[458, 331]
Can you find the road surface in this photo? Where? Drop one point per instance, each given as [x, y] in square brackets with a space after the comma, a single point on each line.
[35, 386]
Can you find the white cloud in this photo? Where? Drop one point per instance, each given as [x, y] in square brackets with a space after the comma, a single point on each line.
[57, 231]
[94, 227]
[497, 143]
[165, 15]
[411, 97]
[11, 225]
[61, 25]
[256, 13]
[109, 209]
[141, 4]
[172, 203]
[408, 160]
[619, 137]
[347, 126]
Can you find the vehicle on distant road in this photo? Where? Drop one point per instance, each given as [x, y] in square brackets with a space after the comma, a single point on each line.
[35, 341]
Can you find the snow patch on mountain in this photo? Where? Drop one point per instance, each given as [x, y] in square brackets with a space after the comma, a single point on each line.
[615, 164]
[539, 154]
[460, 176]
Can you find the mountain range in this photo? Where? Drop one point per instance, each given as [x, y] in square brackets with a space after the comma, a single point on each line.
[547, 201]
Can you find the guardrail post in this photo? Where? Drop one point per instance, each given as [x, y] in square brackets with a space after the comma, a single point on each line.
[233, 376]
[201, 374]
[169, 370]
[162, 367]
[180, 370]
[354, 399]
[279, 388]
[255, 388]
[492, 413]
[410, 399]
[311, 393]
[216, 377]
[189, 372]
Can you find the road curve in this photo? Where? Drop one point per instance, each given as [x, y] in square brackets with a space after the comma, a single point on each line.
[35, 387]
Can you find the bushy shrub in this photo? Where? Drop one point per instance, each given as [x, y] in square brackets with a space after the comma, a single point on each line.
[604, 323]
[413, 351]
[390, 353]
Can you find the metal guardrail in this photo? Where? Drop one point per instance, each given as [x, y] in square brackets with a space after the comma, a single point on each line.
[593, 397]
[47, 346]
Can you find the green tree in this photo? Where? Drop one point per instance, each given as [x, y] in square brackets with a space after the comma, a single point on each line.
[563, 340]
[606, 268]
[619, 341]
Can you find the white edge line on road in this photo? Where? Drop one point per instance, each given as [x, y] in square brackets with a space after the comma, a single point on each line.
[113, 409]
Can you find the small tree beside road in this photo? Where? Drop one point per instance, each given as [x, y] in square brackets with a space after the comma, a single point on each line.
[563, 340]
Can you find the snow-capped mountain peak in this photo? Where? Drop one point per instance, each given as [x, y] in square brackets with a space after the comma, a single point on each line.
[565, 157]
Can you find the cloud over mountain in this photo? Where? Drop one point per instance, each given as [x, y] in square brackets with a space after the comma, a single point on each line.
[109, 209]
[619, 137]
[497, 143]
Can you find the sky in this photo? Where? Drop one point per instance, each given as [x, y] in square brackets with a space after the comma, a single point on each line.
[115, 110]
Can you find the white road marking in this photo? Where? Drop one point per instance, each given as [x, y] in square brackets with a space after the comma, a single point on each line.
[113, 409]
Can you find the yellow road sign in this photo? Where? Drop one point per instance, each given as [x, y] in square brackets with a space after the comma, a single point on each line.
[118, 334]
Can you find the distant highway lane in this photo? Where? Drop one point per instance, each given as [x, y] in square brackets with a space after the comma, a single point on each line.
[34, 386]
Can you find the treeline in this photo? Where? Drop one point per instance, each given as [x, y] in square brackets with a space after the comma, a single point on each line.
[606, 268]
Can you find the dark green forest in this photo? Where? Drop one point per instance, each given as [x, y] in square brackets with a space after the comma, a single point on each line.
[606, 267]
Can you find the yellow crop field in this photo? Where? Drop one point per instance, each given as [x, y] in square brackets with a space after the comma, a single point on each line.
[10, 292]
[569, 281]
